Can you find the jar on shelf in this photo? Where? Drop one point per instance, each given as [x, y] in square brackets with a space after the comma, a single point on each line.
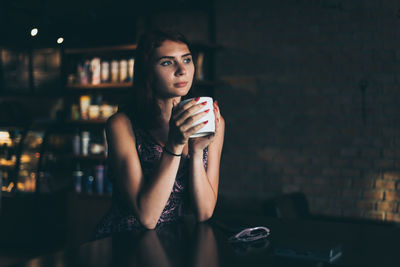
[131, 65]
[105, 71]
[114, 71]
[123, 70]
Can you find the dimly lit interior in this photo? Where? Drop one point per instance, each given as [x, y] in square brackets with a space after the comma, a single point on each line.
[309, 92]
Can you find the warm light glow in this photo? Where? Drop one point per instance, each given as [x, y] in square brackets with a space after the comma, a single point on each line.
[9, 188]
[60, 40]
[25, 158]
[34, 31]
[7, 163]
[5, 138]
[20, 186]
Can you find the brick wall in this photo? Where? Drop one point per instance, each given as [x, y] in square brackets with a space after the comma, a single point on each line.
[312, 103]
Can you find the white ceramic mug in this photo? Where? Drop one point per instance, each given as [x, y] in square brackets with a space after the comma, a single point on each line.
[208, 128]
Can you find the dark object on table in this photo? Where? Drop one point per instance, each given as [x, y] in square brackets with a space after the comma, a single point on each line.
[297, 249]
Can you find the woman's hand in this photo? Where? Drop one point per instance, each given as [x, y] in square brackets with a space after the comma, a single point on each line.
[200, 143]
[180, 124]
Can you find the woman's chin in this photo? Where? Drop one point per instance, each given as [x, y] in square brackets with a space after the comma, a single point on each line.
[174, 92]
[180, 91]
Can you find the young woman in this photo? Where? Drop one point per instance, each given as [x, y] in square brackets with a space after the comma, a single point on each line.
[159, 173]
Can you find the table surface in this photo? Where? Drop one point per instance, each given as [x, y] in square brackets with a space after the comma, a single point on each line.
[206, 244]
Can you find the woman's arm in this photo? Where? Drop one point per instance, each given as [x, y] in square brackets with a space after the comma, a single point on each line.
[147, 200]
[204, 184]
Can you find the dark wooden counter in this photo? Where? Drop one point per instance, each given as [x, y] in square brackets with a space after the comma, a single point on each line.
[190, 244]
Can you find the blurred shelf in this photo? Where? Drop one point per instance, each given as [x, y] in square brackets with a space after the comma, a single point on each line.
[196, 45]
[102, 49]
[14, 124]
[86, 122]
[99, 86]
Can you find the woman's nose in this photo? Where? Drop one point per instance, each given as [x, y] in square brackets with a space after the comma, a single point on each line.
[180, 70]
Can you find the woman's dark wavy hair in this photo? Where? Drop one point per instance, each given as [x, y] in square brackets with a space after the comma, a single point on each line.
[142, 106]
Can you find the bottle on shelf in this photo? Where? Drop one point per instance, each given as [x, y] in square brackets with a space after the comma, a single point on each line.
[76, 144]
[77, 176]
[89, 182]
[114, 71]
[83, 70]
[99, 178]
[95, 71]
[84, 106]
[85, 139]
[75, 115]
[131, 64]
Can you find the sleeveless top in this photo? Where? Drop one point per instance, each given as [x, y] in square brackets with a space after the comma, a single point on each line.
[120, 217]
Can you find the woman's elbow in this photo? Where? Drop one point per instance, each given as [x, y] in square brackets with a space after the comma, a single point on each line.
[204, 216]
[147, 219]
[148, 223]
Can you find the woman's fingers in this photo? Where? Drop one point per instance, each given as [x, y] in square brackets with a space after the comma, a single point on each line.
[181, 109]
[191, 120]
[181, 119]
[185, 119]
[194, 129]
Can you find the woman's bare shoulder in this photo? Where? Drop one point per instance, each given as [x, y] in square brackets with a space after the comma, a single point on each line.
[118, 119]
[119, 122]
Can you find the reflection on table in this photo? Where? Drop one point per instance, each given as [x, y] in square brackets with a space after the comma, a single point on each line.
[188, 243]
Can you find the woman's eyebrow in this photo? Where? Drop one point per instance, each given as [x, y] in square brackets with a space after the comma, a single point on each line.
[165, 57]
[171, 57]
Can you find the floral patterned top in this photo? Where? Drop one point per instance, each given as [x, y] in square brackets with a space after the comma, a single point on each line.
[120, 217]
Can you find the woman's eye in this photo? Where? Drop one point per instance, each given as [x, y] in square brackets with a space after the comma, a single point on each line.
[166, 63]
[187, 60]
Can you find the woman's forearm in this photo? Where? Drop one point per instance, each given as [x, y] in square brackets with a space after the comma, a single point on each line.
[203, 195]
[153, 197]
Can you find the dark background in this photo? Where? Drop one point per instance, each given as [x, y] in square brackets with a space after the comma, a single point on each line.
[310, 96]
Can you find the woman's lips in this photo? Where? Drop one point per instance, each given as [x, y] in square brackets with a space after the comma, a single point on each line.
[180, 84]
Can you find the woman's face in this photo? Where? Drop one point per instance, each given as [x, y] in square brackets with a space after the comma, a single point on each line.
[174, 69]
